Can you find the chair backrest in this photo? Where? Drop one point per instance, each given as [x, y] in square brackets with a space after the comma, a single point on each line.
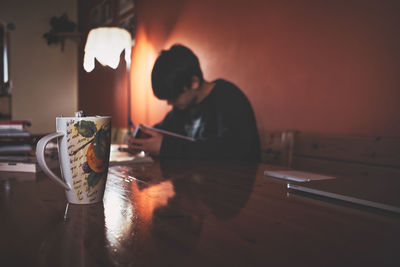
[277, 147]
[119, 135]
[347, 155]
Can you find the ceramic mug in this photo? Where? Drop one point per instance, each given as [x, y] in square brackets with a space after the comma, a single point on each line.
[84, 151]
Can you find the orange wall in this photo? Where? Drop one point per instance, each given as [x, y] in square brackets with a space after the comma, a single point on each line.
[314, 66]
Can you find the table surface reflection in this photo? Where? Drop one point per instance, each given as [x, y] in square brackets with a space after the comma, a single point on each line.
[189, 213]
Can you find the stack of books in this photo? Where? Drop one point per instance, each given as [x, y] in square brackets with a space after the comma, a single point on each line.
[14, 137]
[16, 148]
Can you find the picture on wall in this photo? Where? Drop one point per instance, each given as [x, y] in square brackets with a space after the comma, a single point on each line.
[125, 6]
[128, 23]
[95, 16]
[102, 14]
[107, 12]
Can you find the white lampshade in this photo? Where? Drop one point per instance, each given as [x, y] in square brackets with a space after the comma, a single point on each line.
[106, 45]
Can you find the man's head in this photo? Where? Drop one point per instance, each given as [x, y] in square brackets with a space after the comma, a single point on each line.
[176, 75]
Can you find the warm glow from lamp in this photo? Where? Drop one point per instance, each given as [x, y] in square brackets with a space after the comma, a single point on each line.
[106, 45]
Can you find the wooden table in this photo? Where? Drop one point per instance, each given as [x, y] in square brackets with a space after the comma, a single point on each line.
[187, 213]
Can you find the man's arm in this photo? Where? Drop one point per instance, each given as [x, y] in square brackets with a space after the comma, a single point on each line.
[236, 135]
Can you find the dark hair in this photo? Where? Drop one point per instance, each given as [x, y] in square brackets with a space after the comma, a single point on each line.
[174, 69]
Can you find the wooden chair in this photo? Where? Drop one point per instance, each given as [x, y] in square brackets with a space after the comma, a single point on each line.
[119, 135]
[277, 147]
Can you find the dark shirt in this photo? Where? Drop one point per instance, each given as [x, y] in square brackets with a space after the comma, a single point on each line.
[223, 126]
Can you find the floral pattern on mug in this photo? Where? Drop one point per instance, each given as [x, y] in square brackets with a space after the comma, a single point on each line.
[97, 153]
[89, 156]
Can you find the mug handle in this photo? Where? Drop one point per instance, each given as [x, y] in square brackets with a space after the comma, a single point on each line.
[40, 147]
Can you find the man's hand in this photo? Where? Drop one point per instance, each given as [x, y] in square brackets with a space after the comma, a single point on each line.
[151, 145]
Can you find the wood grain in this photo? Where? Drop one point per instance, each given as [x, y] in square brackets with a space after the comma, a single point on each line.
[189, 213]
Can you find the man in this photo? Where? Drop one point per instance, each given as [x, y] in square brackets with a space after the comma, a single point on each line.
[216, 114]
